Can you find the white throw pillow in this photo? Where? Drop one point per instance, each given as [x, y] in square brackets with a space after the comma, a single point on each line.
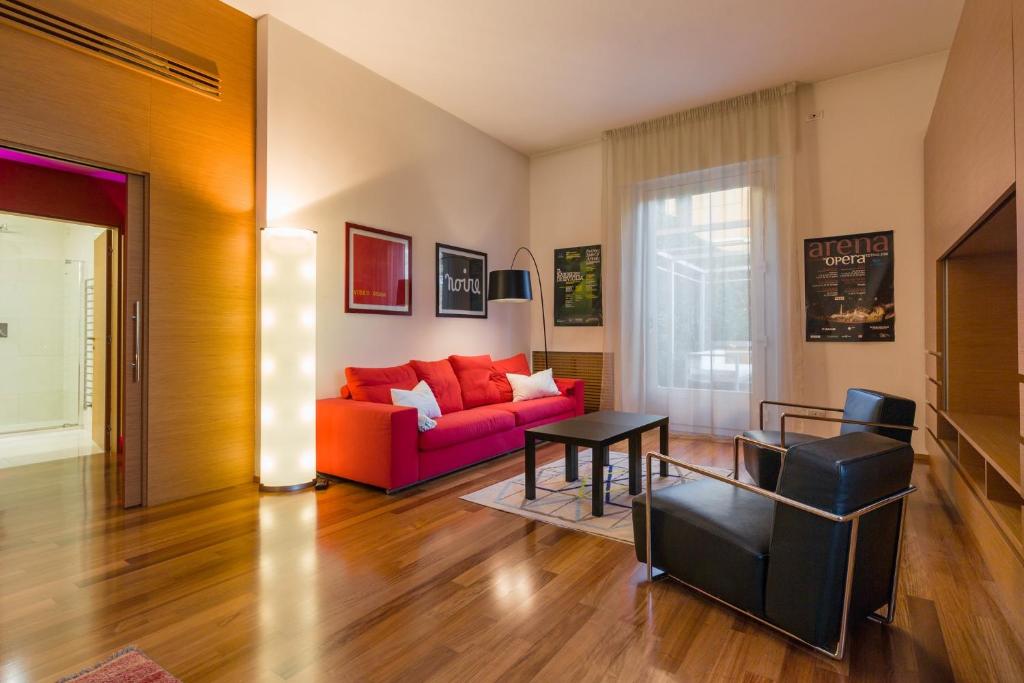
[537, 385]
[422, 399]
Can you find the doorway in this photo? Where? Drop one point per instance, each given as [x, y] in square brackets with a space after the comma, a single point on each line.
[71, 320]
[54, 325]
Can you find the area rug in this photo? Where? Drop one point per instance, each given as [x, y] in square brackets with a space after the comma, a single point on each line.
[129, 665]
[567, 504]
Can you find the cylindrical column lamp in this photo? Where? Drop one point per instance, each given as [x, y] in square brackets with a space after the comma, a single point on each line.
[287, 359]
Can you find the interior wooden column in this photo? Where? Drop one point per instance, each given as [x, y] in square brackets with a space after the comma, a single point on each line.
[197, 154]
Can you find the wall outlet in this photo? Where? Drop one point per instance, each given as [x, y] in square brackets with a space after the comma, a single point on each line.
[3, 330]
[815, 115]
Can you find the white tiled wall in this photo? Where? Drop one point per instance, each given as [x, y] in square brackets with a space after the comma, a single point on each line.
[41, 300]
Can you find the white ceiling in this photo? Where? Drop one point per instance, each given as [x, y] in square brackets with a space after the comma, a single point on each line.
[539, 74]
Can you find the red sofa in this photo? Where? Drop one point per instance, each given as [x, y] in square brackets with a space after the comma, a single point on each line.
[363, 437]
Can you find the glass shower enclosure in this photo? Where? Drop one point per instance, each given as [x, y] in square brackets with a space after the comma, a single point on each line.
[46, 324]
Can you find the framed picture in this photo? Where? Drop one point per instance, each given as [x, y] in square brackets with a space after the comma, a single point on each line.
[849, 292]
[578, 287]
[461, 283]
[378, 271]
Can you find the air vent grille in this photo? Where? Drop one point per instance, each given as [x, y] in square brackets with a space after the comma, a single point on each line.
[73, 34]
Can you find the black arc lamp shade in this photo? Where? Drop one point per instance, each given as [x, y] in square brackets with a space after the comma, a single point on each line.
[513, 286]
[509, 285]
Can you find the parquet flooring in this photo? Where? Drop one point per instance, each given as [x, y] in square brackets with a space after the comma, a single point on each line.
[352, 585]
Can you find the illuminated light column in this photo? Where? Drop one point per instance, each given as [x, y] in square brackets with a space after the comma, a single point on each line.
[287, 359]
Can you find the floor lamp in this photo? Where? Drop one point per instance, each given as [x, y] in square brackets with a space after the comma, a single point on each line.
[513, 286]
[288, 359]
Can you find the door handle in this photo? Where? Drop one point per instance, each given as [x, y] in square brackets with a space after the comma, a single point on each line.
[136, 363]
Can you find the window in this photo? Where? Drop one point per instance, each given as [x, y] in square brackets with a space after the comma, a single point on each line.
[700, 359]
[703, 264]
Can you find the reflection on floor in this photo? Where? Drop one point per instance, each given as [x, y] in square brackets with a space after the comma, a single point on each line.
[27, 448]
[349, 584]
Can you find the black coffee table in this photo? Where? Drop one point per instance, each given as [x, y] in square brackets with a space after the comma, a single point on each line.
[597, 431]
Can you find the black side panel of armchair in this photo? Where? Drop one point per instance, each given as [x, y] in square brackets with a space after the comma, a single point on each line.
[804, 592]
[867, 405]
[762, 464]
[711, 536]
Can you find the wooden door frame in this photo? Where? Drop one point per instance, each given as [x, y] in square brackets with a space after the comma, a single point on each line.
[133, 283]
[104, 294]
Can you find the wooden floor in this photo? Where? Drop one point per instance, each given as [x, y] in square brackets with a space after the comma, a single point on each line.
[352, 585]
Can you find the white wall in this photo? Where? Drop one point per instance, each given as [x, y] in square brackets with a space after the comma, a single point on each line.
[862, 169]
[565, 211]
[865, 163]
[339, 143]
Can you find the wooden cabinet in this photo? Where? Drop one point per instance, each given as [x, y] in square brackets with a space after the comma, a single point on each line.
[974, 285]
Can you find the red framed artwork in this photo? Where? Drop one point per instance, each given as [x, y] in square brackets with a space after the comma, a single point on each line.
[378, 271]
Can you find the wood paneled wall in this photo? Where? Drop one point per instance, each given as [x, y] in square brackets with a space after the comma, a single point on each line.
[969, 158]
[981, 355]
[199, 156]
[973, 156]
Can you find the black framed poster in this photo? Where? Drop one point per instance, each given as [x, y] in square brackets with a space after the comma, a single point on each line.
[578, 287]
[461, 282]
[848, 287]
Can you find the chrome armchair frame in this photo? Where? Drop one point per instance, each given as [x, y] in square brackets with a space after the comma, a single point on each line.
[781, 449]
[852, 517]
[839, 420]
[786, 404]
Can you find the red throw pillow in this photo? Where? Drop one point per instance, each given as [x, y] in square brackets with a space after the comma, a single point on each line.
[375, 384]
[441, 379]
[517, 365]
[474, 375]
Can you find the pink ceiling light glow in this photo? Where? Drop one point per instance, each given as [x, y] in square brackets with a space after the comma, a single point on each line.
[60, 165]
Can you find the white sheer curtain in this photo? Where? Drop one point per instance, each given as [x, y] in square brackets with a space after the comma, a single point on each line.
[702, 270]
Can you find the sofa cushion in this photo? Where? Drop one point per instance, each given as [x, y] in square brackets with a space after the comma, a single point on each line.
[438, 374]
[516, 364]
[712, 536]
[538, 385]
[474, 375]
[375, 384]
[422, 399]
[534, 410]
[466, 425]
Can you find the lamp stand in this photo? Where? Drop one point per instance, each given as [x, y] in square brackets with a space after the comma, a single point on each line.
[543, 314]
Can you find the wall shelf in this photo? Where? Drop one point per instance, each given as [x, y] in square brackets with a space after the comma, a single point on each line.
[994, 438]
[973, 463]
[1007, 504]
[1002, 501]
[975, 397]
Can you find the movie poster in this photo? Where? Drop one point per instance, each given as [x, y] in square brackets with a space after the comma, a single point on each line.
[578, 287]
[849, 292]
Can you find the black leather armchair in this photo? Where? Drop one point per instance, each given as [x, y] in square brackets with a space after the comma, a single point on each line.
[865, 411]
[806, 560]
